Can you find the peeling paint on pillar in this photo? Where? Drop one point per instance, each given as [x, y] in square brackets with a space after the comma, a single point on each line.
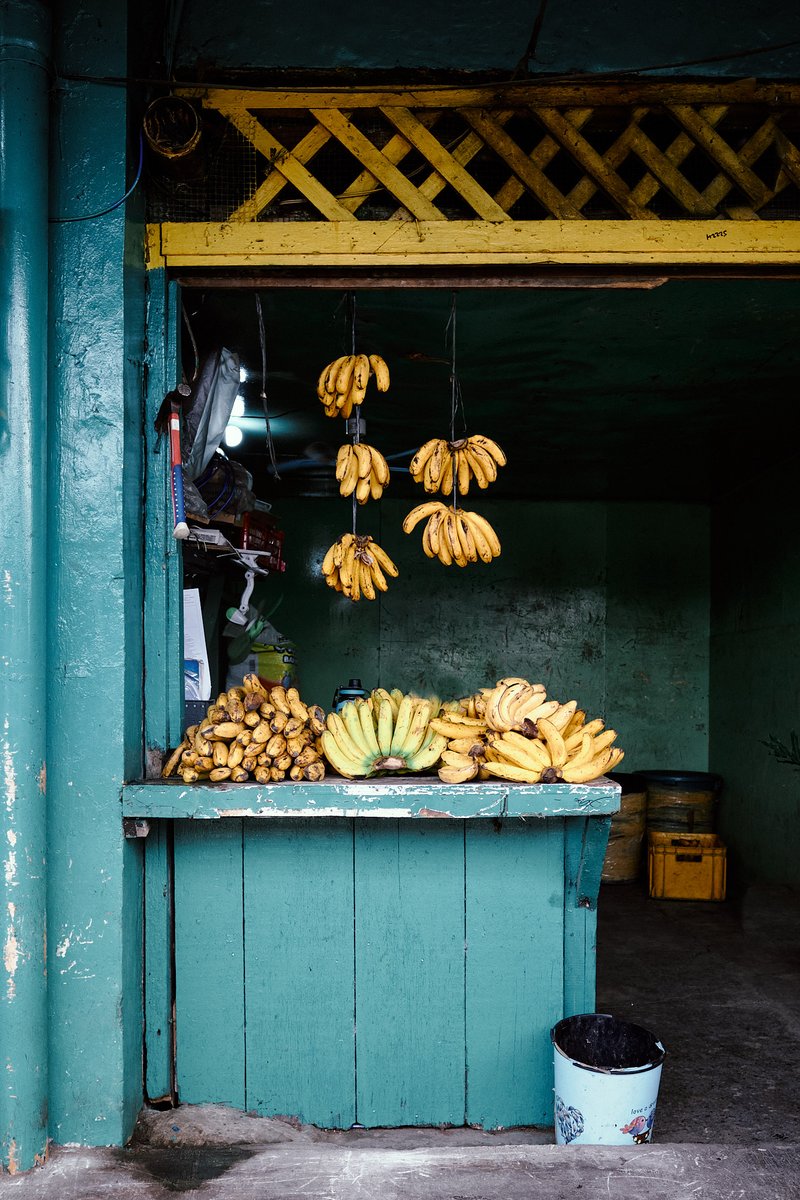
[24, 124]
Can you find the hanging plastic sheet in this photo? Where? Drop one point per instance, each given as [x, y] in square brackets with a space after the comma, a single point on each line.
[210, 409]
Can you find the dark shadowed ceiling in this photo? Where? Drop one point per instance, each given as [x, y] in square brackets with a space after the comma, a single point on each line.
[679, 392]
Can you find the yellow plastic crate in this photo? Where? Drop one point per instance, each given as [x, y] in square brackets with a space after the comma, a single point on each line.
[686, 866]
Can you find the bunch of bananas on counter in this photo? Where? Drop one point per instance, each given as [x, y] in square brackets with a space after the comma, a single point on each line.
[356, 566]
[442, 466]
[252, 733]
[453, 535]
[361, 469]
[514, 732]
[342, 385]
[387, 731]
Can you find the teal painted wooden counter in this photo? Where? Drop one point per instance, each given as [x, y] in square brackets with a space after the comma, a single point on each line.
[388, 952]
[387, 797]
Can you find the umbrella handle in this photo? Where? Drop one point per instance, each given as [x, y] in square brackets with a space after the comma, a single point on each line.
[181, 529]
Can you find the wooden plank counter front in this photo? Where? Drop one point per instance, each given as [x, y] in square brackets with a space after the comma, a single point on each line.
[388, 952]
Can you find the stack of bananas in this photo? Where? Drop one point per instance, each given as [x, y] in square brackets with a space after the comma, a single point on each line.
[454, 535]
[361, 469]
[465, 756]
[514, 732]
[342, 385]
[440, 466]
[250, 732]
[355, 565]
[387, 731]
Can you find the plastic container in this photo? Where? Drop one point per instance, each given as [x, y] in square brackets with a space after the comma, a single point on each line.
[686, 866]
[607, 1074]
[681, 801]
[623, 861]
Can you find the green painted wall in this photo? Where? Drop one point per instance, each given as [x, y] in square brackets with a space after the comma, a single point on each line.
[480, 35]
[755, 683]
[606, 603]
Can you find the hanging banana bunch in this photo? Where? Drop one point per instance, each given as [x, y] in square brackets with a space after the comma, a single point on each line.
[342, 385]
[361, 469]
[356, 566]
[442, 466]
[453, 535]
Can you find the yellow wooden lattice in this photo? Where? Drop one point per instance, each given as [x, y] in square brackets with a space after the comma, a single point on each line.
[506, 174]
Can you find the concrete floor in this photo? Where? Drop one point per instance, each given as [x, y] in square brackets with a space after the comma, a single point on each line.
[719, 984]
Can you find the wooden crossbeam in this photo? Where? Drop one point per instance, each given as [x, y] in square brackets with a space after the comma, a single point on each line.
[668, 174]
[365, 184]
[574, 94]
[789, 156]
[523, 167]
[463, 152]
[718, 149]
[379, 166]
[615, 156]
[447, 166]
[750, 152]
[284, 161]
[541, 156]
[275, 182]
[677, 151]
[593, 163]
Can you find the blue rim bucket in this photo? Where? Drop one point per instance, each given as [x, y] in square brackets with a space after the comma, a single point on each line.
[607, 1075]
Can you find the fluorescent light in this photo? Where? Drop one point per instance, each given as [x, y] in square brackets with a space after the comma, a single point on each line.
[233, 436]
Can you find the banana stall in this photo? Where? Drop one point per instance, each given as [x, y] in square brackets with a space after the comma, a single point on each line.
[386, 449]
[403, 883]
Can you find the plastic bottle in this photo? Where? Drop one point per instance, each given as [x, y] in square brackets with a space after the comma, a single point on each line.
[352, 692]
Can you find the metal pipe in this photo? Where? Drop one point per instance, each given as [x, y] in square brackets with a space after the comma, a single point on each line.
[24, 43]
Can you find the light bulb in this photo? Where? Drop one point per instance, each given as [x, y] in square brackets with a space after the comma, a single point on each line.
[233, 436]
[238, 407]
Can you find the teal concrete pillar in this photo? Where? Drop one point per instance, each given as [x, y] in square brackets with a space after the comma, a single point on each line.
[24, 44]
[95, 593]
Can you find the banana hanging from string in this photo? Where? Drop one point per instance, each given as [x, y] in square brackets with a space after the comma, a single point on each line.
[453, 535]
[357, 566]
[442, 466]
[361, 469]
[342, 384]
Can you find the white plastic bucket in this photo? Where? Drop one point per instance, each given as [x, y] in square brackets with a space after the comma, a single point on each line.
[607, 1074]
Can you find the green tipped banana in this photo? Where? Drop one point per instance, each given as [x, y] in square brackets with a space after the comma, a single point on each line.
[348, 767]
[385, 725]
[368, 728]
[429, 753]
[402, 725]
[352, 723]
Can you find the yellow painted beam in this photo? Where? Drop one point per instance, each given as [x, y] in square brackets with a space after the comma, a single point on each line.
[501, 95]
[465, 243]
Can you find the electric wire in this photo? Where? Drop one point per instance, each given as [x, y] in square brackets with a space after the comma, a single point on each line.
[263, 342]
[570, 77]
[192, 339]
[117, 203]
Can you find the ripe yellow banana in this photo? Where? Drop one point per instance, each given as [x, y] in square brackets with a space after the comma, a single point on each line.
[491, 448]
[381, 372]
[553, 741]
[419, 513]
[513, 772]
[460, 774]
[417, 464]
